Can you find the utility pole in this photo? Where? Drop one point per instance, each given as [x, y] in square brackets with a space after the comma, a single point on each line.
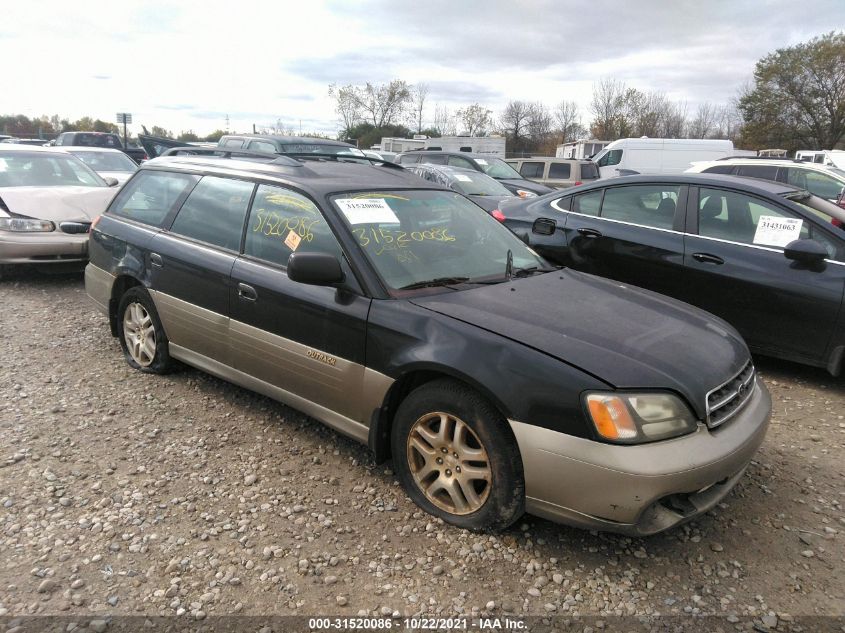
[124, 117]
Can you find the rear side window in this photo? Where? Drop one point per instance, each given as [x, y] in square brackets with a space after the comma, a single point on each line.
[560, 171]
[409, 158]
[589, 171]
[262, 146]
[214, 212]
[818, 184]
[531, 170]
[587, 203]
[648, 205]
[281, 222]
[233, 142]
[719, 169]
[151, 195]
[766, 172]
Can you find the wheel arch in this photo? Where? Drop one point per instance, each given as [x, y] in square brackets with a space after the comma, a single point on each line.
[411, 378]
[122, 283]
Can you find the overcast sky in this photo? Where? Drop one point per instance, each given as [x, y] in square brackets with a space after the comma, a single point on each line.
[187, 65]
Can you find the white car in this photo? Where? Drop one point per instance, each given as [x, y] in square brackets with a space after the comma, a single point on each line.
[109, 163]
[820, 180]
[48, 199]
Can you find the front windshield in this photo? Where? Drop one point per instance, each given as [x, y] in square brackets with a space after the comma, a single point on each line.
[412, 237]
[474, 183]
[497, 168]
[106, 161]
[47, 169]
[322, 148]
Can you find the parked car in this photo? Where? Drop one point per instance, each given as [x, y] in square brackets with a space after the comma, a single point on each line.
[486, 192]
[47, 201]
[493, 166]
[37, 142]
[399, 313]
[767, 257]
[100, 139]
[557, 173]
[820, 180]
[108, 163]
[630, 156]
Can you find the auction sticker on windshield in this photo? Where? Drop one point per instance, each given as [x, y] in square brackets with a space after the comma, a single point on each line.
[463, 178]
[776, 231]
[367, 211]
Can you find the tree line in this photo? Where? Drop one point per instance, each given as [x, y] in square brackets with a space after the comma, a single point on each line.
[795, 100]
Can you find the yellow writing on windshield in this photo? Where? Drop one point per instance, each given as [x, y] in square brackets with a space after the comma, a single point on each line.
[380, 240]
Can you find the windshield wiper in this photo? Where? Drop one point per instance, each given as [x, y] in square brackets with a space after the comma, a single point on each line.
[509, 265]
[437, 281]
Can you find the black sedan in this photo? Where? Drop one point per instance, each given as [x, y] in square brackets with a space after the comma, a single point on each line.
[483, 190]
[767, 257]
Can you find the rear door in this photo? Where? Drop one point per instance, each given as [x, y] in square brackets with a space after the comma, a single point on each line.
[737, 271]
[306, 340]
[630, 233]
[191, 264]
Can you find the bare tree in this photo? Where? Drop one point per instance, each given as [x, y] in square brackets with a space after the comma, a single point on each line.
[728, 123]
[419, 94]
[379, 104]
[608, 108]
[540, 124]
[675, 123]
[568, 118]
[347, 106]
[514, 121]
[444, 121]
[476, 119]
[704, 122]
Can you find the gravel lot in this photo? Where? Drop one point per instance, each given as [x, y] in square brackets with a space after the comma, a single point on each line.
[123, 493]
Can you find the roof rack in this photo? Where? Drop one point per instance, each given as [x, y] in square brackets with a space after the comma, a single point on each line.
[275, 159]
[791, 160]
[343, 157]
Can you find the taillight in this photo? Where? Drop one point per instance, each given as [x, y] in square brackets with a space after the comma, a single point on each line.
[94, 223]
[496, 213]
[578, 182]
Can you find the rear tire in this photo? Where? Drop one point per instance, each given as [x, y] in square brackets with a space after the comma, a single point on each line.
[457, 457]
[141, 335]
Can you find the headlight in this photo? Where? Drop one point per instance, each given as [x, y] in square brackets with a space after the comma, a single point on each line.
[522, 193]
[25, 225]
[634, 418]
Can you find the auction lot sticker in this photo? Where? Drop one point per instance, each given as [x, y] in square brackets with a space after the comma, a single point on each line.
[367, 211]
[776, 231]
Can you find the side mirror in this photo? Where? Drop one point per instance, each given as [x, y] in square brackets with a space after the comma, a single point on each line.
[544, 226]
[111, 182]
[316, 269]
[808, 252]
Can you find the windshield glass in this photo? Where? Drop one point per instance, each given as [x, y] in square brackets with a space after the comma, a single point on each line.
[497, 168]
[106, 161]
[321, 148]
[417, 236]
[474, 183]
[47, 169]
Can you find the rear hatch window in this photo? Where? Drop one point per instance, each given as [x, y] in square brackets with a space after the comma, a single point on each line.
[589, 171]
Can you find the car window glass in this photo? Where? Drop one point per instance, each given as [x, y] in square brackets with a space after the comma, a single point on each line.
[457, 161]
[649, 205]
[561, 171]
[151, 195]
[262, 146]
[766, 172]
[719, 169]
[233, 142]
[587, 203]
[612, 157]
[282, 221]
[214, 212]
[589, 171]
[822, 185]
[409, 158]
[532, 169]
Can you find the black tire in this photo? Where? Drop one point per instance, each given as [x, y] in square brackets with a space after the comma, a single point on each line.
[159, 362]
[504, 501]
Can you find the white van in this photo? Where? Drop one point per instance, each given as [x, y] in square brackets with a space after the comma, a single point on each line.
[629, 156]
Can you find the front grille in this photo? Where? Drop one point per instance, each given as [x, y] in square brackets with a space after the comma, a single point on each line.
[75, 227]
[726, 401]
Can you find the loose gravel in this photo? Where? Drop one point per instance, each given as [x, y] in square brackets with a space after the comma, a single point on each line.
[125, 493]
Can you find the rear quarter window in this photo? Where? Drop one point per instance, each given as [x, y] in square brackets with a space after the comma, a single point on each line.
[560, 171]
[151, 196]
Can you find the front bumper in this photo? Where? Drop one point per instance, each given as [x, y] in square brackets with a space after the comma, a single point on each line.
[42, 248]
[638, 490]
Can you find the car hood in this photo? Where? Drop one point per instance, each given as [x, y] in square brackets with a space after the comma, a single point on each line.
[517, 183]
[627, 337]
[58, 204]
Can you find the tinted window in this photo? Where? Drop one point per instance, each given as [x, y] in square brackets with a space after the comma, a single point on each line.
[719, 169]
[151, 195]
[589, 171]
[406, 159]
[96, 140]
[457, 161]
[766, 172]
[819, 184]
[587, 203]
[649, 205]
[214, 212]
[466, 149]
[532, 170]
[561, 171]
[233, 142]
[262, 146]
[613, 157]
[282, 221]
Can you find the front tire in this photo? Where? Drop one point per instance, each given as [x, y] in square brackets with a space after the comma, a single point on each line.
[141, 335]
[457, 457]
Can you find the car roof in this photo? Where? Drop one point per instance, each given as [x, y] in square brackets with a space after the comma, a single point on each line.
[319, 177]
[20, 147]
[289, 140]
[749, 184]
[88, 148]
[440, 152]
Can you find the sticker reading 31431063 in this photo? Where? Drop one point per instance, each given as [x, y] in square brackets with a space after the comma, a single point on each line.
[775, 231]
[367, 211]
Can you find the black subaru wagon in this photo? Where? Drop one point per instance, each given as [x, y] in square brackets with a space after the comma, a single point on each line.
[403, 315]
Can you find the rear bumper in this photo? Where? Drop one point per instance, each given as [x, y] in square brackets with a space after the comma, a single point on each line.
[638, 490]
[42, 248]
[98, 286]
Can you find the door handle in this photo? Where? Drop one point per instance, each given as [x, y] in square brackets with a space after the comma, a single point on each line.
[707, 258]
[247, 292]
[590, 233]
[156, 260]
